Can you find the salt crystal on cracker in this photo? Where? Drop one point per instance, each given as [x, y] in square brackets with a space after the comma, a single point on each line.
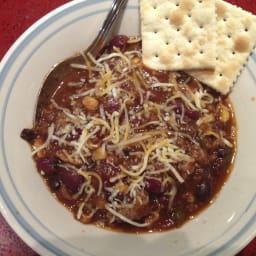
[178, 34]
[236, 37]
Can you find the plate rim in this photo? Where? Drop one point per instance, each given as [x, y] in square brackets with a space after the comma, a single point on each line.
[11, 219]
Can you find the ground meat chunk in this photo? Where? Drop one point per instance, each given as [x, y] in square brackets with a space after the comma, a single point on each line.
[140, 208]
[65, 157]
[198, 154]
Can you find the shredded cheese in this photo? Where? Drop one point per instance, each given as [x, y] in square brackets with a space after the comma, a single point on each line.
[46, 143]
[125, 219]
[140, 129]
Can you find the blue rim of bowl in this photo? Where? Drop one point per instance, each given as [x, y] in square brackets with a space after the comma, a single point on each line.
[23, 222]
[38, 29]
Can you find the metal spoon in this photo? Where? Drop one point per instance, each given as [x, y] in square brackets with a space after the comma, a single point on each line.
[63, 68]
[102, 38]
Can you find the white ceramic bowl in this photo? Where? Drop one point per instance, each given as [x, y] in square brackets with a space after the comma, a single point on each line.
[223, 229]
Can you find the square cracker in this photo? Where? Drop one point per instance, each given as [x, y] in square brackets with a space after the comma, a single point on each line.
[236, 37]
[178, 34]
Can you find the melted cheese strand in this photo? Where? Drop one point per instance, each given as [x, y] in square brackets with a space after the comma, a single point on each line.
[227, 142]
[162, 85]
[115, 54]
[66, 111]
[95, 61]
[46, 143]
[125, 219]
[133, 140]
[145, 160]
[85, 136]
[84, 67]
[82, 94]
[176, 173]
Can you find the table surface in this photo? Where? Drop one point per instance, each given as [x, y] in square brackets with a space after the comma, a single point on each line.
[15, 17]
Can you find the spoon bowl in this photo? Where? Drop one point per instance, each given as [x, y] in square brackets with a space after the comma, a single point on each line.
[63, 69]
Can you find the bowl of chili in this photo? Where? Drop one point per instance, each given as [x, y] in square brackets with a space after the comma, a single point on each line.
[149, 153]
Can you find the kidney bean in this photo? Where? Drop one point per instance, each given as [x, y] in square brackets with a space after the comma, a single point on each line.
[203, 191]
[119, 41]
[111, 104]
[182, 77]
[47, 165]
[54, 182]
[95, 183]
[28, 135]
[164, 201]
[224, 152]
[74, 135]
[190, 113]
[71, 179]
[217, 166]
[153, 186]
[106, 171]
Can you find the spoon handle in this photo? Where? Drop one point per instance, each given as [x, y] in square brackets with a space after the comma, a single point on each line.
[102, 38]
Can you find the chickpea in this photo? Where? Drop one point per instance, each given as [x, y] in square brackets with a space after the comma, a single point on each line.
[135, 60]
[224, 114]
[37, 143]
[189, 197]
[99, 153]
[100, 202]
[123, 188]
[90, 103]
[93, 144]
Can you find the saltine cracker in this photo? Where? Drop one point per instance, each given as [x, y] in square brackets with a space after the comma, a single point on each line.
[236, 37]
[178, 34]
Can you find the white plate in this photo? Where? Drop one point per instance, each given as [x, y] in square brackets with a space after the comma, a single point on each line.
[223, 229]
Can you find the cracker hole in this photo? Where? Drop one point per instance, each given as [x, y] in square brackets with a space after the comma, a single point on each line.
[178, 29]
[201, 52]
[190, 41]
[167, 42]
[155, 7]
[200, 1]
[166, 17]
[189, 15]
[220, 74]
[233, 52]
[178, 54]
[229, 36]
[246, 29]
[155, 31]
[177, 4]
[201, 26]
[156, 55]
[224, 19]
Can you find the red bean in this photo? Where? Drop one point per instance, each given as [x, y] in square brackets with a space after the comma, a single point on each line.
[71, 179]
[106, 170]
[28, 134]
[192, 114]
[47, 165]
[74, 135]
[110, 104]
[153, 186]
[54, 182]
[164, 201]
[182, 77]
[119, 41]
